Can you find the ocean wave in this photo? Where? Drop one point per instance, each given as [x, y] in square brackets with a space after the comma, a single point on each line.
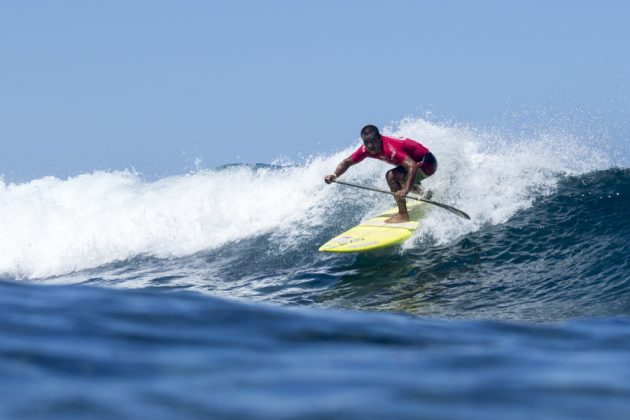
[51, 226]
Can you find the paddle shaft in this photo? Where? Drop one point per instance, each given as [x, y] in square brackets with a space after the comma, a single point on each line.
[435, 203]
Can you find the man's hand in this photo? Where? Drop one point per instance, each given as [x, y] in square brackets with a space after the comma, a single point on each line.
[341, 168]
[401, 193]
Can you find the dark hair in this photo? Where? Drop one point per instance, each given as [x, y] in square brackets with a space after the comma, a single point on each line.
[369, 131]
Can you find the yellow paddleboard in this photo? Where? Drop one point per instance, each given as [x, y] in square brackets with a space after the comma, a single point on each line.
[376, 234]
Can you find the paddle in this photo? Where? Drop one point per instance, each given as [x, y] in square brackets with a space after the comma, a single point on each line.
[435, 203]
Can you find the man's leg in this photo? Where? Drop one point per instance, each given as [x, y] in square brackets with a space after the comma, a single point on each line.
[427, 167]
[417, 187]
[395, 179]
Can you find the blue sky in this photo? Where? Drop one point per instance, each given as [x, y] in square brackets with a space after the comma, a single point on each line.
[154, 85]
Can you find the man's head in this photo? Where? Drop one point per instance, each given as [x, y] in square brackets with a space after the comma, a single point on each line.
[371, 138]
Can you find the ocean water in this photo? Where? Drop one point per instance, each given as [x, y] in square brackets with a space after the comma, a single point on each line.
[203, 295]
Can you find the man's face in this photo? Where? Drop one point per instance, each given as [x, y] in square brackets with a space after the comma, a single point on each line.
[372, 143]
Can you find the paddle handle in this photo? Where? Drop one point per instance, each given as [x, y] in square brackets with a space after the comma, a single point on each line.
[435, 203]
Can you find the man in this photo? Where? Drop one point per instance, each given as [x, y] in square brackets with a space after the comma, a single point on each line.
[413, 163]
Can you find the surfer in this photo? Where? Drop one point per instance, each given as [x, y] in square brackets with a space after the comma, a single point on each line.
[413, 161]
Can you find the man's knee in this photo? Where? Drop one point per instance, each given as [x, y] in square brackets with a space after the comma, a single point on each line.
[390, 176]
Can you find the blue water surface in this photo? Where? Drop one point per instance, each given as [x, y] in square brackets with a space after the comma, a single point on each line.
[530, 317]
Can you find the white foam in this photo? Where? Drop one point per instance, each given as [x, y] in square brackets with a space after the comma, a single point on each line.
[492, 177]
[51, 226]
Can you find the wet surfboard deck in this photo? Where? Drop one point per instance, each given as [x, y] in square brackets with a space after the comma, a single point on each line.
[375, 234]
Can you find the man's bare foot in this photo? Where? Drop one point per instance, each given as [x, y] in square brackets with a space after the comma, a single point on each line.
[398, 218]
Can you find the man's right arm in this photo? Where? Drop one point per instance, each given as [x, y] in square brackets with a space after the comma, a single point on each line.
[343, 167]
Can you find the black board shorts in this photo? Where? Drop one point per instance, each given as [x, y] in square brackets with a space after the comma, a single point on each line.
[426, 167]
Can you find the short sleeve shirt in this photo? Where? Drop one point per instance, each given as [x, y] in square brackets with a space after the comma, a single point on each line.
[393, 151]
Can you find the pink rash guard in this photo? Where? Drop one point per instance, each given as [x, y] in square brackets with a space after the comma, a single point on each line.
[393, 151]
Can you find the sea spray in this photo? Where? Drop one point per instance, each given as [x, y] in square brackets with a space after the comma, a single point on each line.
[491, 176]
[51, 226]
